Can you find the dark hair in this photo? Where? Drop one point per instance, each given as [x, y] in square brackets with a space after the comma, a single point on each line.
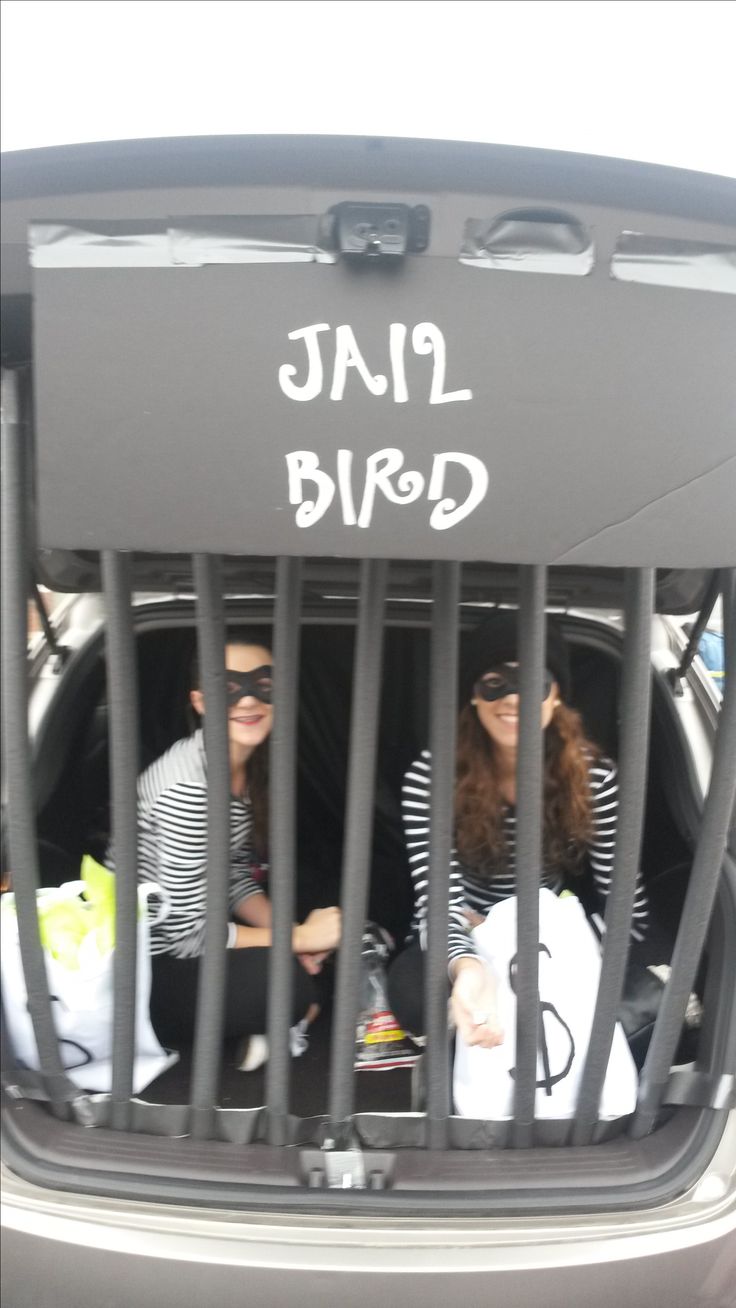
[495, 641]
[257, 767]
[233, 636]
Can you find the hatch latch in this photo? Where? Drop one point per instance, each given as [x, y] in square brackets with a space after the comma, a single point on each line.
[330, 1168]
[366, 230]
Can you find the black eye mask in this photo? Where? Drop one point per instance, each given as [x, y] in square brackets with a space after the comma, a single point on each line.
[504, 681]
[258, 684]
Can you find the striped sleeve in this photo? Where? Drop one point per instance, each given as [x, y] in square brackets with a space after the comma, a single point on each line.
[415, 812]
[604, 789]
[172, 838]
[173, 852]
[242, 883]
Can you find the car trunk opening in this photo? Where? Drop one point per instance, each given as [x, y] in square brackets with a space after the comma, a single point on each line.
[253, 405]
[394, 1132]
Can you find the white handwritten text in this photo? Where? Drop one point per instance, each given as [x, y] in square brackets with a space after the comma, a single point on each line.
[380, 468]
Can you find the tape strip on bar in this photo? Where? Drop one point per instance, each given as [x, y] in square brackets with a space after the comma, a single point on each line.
[374, 1131]
[532, 633]
[282, 840]
[212, 971]
[696, 1089]
[701, 892]
[122, 691]
[358, 837]
[443, 728]
[633, 765]
[22, 848]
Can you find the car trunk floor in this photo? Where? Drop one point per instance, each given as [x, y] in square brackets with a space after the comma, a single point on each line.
[376, 1091]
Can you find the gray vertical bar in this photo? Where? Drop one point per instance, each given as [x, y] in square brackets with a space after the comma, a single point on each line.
[22, 850]
[282, 840]
[122, 690]
[361, 785]
[442, 735]
[532, 639]
[212, 974]
[701, 891]
[633, 766]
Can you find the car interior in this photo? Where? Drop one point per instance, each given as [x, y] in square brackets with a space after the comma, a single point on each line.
[74, 816]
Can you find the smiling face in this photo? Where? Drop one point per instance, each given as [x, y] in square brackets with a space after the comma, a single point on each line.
[249, 718]
[500, 717]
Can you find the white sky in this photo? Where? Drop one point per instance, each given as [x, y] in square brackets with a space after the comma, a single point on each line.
[641, 80]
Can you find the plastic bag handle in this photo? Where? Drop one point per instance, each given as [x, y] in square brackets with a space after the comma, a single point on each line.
[51, 894]
[74, 889]
[146, 891]
[69, 890]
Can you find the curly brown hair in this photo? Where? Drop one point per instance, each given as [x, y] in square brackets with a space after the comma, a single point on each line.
[568, 823]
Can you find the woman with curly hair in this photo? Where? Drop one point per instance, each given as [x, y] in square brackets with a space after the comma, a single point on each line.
[580, 815]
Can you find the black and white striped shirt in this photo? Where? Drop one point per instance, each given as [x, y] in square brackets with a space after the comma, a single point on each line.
[172, 846]
[471, 890]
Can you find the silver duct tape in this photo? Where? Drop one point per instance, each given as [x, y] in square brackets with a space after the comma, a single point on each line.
[669, 261]
[184, 242]
[97, 245]
[276, 238]
[529, 240]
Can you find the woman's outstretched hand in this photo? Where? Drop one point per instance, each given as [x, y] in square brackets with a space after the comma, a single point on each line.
[473, 1004]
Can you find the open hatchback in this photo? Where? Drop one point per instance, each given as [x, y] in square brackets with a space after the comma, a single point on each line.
[357, 392]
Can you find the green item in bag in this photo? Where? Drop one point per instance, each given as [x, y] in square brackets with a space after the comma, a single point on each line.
[64, 924]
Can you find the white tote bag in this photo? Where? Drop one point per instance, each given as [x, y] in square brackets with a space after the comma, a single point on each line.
[569, 970]
[79, 971]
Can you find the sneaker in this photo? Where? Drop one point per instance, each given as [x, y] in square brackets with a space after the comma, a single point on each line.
[298, 1038]
[254, 1053]
[419, 1040]
[376, 940]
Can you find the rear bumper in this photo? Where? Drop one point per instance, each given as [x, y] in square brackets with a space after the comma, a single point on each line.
[40, 1273]
[64, 1248]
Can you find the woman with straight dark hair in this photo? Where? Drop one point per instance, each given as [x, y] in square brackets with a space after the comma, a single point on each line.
[580, 804]
[172, 842]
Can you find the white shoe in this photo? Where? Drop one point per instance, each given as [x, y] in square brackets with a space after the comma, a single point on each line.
[419, 1040]
[256, 1048]
[256, 1054]
[298, 1038]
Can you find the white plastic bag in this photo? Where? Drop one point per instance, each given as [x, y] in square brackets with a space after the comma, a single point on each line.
[78, 938]
[569, 970]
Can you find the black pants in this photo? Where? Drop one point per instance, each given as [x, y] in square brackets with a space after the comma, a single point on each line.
[406, 989]
[174, 995]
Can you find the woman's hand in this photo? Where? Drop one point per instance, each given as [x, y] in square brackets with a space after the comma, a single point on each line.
[312, 963]
[319, 933]
[473, 1003]
[472, 918]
